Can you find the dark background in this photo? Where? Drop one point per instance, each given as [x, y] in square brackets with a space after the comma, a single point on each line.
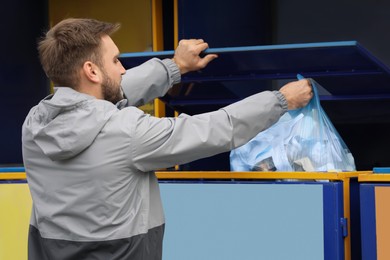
[22, 81]
[363, 124]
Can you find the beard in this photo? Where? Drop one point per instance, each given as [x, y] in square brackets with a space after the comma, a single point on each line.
[111, 91]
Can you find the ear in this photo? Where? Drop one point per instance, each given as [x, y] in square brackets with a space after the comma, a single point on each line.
[91, 72]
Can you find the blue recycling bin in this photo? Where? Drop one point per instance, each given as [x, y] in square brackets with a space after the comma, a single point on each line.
[352, 79]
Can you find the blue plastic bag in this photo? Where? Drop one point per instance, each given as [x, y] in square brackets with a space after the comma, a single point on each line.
[302, 140]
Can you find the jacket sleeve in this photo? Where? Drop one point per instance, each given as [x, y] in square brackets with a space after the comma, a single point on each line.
[149, 80]
[164, 142]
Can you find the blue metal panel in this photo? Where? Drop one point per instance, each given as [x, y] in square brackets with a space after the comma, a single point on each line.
[12, 181]
[332, 211]
[368, 220]
[345, 69]
[346, 58]
[12, 169]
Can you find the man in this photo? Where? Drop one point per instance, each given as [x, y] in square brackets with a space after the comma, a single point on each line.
[89, 154]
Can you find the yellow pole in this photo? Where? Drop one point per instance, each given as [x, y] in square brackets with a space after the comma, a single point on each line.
[175, 23]
[158, 45]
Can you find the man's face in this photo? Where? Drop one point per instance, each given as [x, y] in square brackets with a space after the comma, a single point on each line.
[112, 71]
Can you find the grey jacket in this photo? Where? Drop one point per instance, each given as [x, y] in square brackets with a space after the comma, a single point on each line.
[90, 163]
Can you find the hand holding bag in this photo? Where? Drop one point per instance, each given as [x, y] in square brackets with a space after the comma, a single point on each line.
[302, 140]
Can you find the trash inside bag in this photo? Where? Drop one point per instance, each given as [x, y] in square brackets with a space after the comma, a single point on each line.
[302, 140]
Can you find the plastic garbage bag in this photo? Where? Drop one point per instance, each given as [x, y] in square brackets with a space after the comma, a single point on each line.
[302, 140]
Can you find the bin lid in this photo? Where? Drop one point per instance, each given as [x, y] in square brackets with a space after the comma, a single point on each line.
[345, 69]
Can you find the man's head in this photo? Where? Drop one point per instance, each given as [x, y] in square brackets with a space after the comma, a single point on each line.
[77, 52]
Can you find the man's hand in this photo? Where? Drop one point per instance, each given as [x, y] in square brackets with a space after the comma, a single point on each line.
[187, 55]
[297, 93]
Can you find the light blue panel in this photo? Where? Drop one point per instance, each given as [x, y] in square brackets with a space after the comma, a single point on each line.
[243, 221]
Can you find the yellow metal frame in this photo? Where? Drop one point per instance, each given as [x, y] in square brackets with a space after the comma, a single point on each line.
[158, 42]
[158, 45]
[331, 176]
[175, 23]
[374, 177]
[157, 29]
[12, 175]
[339, 176]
